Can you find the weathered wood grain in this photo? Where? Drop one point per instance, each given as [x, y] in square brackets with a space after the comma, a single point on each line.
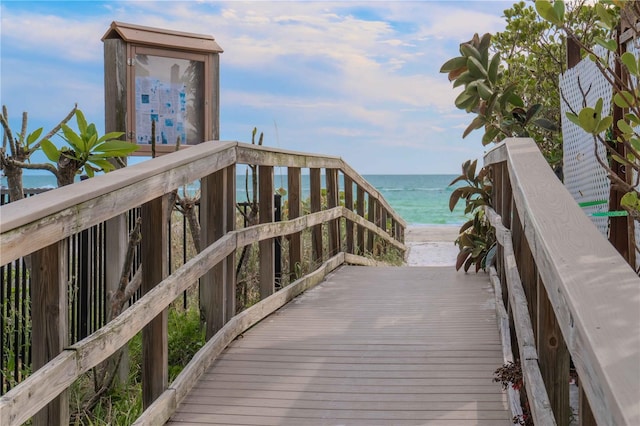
[50, 328]
[57, 214]
[185, 381]
[536, 390]
[379, 360]
[333, 229]
[294, 185]
[348, 203]
[18, 403]
[230, 225]
[265, 216]
[505, 337]
[212, 289]
[316, 205]
[588, 284]
[153, 249]
[64, 212]
[60, 213]
[360, 232]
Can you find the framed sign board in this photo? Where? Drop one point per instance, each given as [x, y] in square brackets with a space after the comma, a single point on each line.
[161, 87]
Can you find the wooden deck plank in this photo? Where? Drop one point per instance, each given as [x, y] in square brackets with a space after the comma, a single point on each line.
[369, 346]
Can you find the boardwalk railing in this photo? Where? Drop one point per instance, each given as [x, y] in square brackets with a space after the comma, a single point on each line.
[39, 227]
[570, 295]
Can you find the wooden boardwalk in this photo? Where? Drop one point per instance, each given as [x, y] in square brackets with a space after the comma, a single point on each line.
[369, 346]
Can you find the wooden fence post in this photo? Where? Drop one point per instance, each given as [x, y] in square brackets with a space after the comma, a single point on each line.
[553, 357]
[265, 202]
[115, 112]
[585, 414]
[316, 206]
[212, 224]
[230, 264]
[332, 201]
[154, 248]
[49, 319]
[360, 228]
[295, 246]
[348, 202]
[371, 216]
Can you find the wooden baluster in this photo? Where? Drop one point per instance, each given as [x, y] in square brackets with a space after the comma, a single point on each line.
[526, 267]
[585, 414]
[316, 206]
[553, 358]
[348, 202]
[50, 328]
[508, 205]
[265, 212]
[230, 263]
[154, 248]
[372, 218]
[496, 171]
[383, 219]
[295, 246]
[360, 228]
[212, 223]
[332, 201]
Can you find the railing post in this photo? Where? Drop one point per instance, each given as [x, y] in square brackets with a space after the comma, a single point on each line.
[348, 202]
[496, 174]
[371, 216]
[526, 268]
[585, 414]
[277, 242]
[230, 266]
[553, 357]
[316, 206]
[154, 270]
[332, 201]
[360, 228]
[295, 247]
[50, 328]
[212, 224]
[265, 202]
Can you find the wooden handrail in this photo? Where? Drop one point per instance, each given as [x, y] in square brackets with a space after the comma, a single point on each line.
[592, 294]
[539, 400]
[58, 214]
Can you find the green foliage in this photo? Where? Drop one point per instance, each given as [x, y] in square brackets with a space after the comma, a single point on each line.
[186, 337]
[87, 150]
[499, 109]
[477, 236]
[551, 11]
[622, 139]
[533, 53]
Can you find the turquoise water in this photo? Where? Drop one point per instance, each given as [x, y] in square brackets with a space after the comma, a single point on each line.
[419, 199]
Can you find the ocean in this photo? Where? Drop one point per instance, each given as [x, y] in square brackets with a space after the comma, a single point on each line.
[419, 199]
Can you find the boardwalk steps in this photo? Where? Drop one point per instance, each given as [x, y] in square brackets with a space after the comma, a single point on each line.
[370, 345]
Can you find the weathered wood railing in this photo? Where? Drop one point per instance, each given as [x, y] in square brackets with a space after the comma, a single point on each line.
[39, 226]
[569, 294]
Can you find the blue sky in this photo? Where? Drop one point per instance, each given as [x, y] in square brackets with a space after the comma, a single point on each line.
[357, 80]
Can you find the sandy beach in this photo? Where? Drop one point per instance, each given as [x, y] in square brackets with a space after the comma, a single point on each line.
[431, 245]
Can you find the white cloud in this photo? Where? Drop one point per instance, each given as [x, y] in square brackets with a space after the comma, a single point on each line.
[76, 40]
[323, 66]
